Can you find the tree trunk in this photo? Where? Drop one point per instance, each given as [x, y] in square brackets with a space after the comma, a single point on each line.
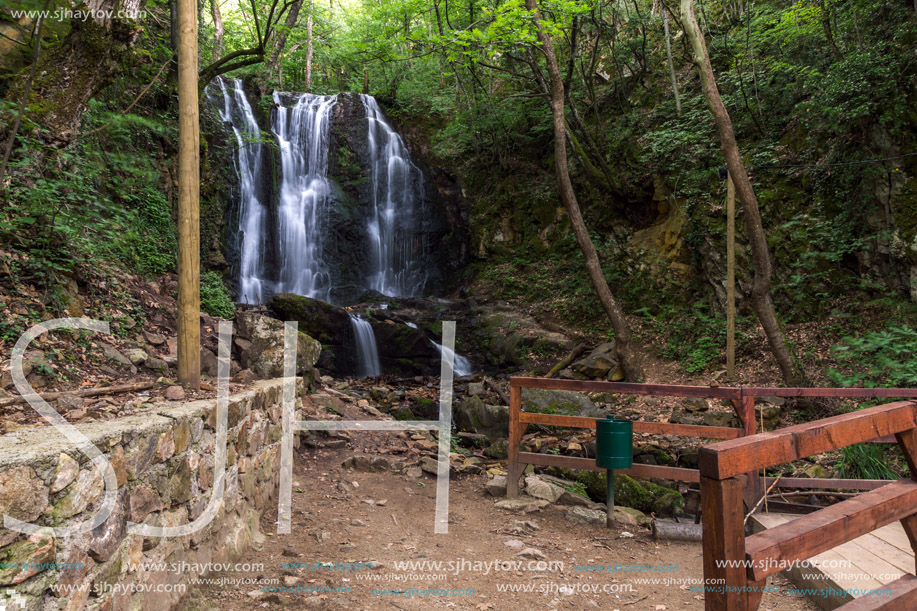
[217, 29]
[79, 66]
[623, 346]
[308, 84]
[189, 255]
[792, 371]
[668, 54]
[281, 41]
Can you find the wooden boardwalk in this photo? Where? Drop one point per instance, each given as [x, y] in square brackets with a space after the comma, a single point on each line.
[884, 553]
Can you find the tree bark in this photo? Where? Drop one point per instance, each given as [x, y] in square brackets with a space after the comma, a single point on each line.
[217, 29]
[627, 357]
[308, 83]
[281, 41]
[668, 54]
[790, 368]
[79, 66]
[189, 255]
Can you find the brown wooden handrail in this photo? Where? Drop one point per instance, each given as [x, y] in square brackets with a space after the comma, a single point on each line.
[740, 565]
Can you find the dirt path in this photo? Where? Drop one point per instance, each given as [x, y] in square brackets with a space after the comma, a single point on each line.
[360, 524]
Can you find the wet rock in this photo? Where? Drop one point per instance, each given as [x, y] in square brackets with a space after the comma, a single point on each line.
[67, 470]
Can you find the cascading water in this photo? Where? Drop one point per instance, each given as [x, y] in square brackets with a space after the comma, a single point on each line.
[461, 366]
[252, 218]
[367, 351]
[397, 188]
[302, 132]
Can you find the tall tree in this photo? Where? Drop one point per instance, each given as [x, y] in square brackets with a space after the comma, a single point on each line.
[189, 251]
[790, 368]
[627, 356]
[282, 34]
[85, 60]
[217, 29]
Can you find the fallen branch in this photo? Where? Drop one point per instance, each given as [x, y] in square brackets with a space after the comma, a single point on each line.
[497, 390]
[86, 392]
[677, 531]
[566, 361]
[761, 500]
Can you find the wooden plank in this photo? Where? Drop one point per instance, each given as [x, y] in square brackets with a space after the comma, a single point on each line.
[516, 430]
[729, 458]
[774, 391]
[629, 388]
[809, 535]
[903, 597]
[588, 464]
[818, 483]
[656, 428]
[724, 542]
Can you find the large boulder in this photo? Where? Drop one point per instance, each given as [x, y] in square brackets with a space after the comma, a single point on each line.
[565, 402]
[261, 346]
[473, 416]
[402, 349]
[600, 364]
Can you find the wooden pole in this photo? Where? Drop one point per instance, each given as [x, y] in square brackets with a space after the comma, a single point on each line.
[189, 329]
[730, 279]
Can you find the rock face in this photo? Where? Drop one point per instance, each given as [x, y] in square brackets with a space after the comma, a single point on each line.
[565, 402]
[261, 348]
[439, 232]
[473, 416]
[402, 349]
[160, 458]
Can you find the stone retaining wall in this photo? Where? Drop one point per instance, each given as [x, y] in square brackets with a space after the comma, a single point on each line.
[164, 463]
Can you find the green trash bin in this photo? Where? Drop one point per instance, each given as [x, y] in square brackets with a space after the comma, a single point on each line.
[614, 444]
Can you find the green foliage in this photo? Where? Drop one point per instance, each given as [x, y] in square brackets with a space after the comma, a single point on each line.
[884, 358]
[215, 297]
[871, 461]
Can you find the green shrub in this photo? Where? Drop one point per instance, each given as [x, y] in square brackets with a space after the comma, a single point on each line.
[215, 297]
[886, 358]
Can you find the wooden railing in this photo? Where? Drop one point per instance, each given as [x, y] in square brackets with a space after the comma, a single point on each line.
[736, 567]
[742, 399]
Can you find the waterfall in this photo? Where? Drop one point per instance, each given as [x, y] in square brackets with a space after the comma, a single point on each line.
[397, 187]
[252, 218]
[461, 366]
[367, 352]
[302, 132]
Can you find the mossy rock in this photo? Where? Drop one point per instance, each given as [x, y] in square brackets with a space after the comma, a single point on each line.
[629, 492]
[403, 413]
